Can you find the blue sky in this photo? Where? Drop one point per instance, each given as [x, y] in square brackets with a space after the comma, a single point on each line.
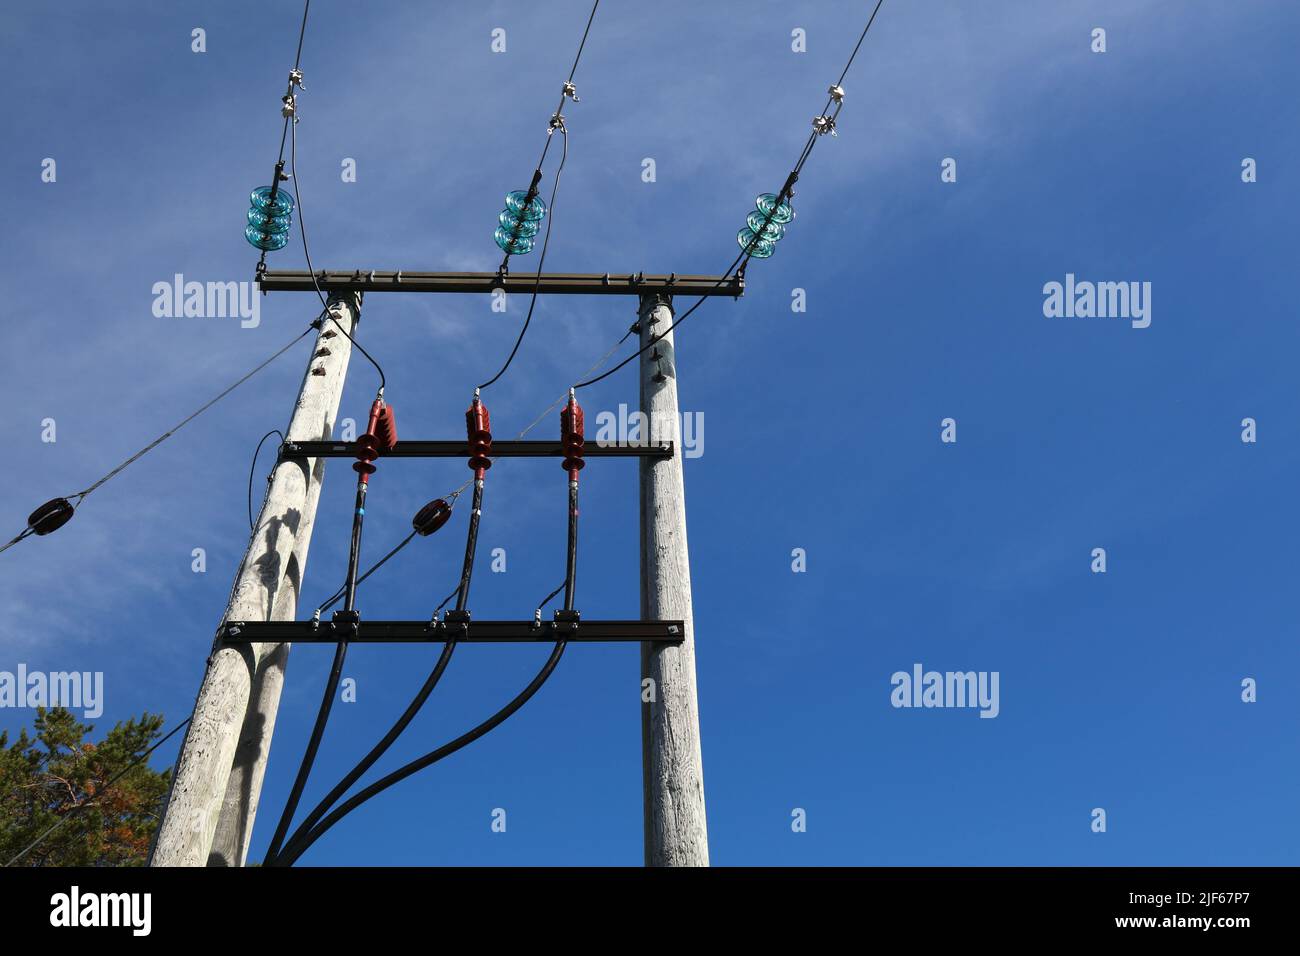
[822, 429]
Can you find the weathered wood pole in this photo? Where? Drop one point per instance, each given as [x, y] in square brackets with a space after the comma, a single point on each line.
[218, 775]
[672, 768]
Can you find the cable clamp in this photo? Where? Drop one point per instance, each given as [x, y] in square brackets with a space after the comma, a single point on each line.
[570, 91]
[290, 106]
[823, 125]
[557, 122]
[347, 622]
[460, 620]
[295, 78]
[837, 93]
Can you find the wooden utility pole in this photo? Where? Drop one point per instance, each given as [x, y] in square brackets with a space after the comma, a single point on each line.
[218, 775]
[672, 768]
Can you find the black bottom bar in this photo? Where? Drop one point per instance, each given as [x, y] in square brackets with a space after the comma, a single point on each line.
[439, 632]
[458, 449]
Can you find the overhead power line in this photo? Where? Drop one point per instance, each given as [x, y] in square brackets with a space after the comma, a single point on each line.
[56, 512]
[824, 123]
[516, 239]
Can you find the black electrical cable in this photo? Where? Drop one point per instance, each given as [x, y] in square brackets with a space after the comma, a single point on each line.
[547, 600]
[291, 854]
[306, 252]
[571, 576]
[252, 469]
[541, 262]
[81, 806]
[785, 193]
[447, 600]
[352, 776]
[313, 745]
[293, 849]
[471, 545]
[335, 675]
[394, 732]
[310, 832]
[594, 365]
[276, 856]
[676, 322]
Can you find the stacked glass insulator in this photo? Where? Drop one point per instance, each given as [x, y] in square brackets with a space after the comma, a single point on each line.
[767, 223]
[519, 222]
[269, 219]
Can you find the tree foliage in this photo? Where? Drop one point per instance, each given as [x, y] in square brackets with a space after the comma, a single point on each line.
[56, 774]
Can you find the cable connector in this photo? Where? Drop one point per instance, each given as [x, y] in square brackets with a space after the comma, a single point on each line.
[570, 91]
[823, 125]
[290, 107]
[295, 79]
[557, 122]
[837, 93]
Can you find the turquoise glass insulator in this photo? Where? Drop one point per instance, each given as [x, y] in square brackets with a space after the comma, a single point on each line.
[261, 199]
[273, 224]
[519, 227]
[268, 242]
[535, 211]
[767, 202]
[773, 231]
[763, 248]
[515, 245]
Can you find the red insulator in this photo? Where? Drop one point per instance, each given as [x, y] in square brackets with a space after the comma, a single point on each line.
[571, 438]
[51, 516]
[385, 428]
[478, 429]
[431, 517]
[380, 436]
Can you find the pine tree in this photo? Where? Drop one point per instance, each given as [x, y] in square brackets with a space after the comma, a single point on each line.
[57, 774]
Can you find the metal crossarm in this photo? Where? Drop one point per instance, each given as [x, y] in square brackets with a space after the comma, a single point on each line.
[459, 449]
[439, 632]
[551, 283]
